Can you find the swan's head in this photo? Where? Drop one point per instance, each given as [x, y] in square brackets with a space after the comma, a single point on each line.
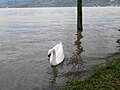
[49, 53]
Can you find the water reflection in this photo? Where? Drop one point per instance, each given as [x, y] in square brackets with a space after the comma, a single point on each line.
[79, 48]
[54, 75]
[76, 58]
[75, 62]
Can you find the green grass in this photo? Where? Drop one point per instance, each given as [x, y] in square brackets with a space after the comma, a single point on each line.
[103, 78]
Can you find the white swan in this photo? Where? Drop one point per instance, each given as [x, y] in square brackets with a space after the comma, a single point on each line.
[56, 54]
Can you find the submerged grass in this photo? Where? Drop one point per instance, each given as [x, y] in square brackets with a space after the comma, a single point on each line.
[103, 78]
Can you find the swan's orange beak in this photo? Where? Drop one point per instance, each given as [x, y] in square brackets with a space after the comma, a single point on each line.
[49, 57]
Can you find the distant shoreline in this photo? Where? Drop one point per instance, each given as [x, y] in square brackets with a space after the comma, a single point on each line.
[60, 6]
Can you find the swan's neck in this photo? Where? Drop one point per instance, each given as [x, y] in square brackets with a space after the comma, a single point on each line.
[53, 56]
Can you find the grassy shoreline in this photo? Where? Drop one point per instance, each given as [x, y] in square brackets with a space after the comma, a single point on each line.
[105, 77]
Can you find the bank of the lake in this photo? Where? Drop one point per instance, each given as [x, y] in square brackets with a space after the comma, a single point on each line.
[105, 77]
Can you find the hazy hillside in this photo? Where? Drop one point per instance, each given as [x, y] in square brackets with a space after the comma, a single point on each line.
[56, 3]
[101, 2]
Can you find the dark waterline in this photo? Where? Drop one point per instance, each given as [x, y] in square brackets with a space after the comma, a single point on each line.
[27, 34]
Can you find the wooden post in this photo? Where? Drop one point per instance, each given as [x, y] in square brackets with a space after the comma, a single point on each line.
[79, 15]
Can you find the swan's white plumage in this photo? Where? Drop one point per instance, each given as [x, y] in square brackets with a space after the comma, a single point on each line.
[57, 54]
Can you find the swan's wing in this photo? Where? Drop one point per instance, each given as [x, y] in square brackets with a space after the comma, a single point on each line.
[60, 54]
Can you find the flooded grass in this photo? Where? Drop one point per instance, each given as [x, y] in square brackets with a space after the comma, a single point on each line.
[106, 77]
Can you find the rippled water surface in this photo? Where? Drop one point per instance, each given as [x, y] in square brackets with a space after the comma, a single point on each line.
[26, 35]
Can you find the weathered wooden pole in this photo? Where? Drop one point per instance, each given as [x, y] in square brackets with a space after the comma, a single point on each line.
[79, 15]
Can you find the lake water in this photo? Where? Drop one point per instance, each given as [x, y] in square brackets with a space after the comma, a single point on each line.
[26, 35]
